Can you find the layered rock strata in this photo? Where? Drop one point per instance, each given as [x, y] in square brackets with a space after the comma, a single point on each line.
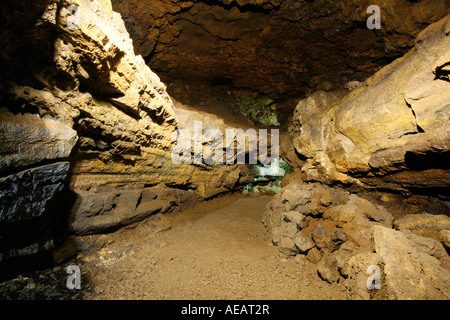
[34, 168]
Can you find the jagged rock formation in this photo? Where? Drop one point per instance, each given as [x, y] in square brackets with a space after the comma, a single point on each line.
[392, 132]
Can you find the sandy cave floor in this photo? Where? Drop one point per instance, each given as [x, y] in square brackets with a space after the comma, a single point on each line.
[217, 250]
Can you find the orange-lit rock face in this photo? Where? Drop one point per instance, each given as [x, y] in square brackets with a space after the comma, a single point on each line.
[272, 46]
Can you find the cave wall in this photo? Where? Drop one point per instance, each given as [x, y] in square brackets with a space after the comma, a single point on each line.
[86, 130]
[389, 133]
[392, 132]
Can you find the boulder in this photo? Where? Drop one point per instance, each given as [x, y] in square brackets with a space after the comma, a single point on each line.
[338, 237]
[289, 230]
[327, 268]
[314, 255]
[321, 239]
[430, 246]
[287, 247]
[409, 272]
[357, 273]
[360, 211]
[351, 239]
[359, 234]
[303, 242]
[329, 216]
[295, 217]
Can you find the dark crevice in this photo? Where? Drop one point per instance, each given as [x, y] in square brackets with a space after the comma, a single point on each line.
[222, 81]
[244, 8]
[419, 128]
[19, 105]
[183, 187]
[441, 193]
[138, 201]
[300, 156]
[148, 58]
[4, 172]
[389, 59]
[157, 117]
[443, 72]
[119, 158]
[428, 160]
[129, 112]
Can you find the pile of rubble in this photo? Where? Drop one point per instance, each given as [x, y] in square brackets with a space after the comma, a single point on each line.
[359, 243]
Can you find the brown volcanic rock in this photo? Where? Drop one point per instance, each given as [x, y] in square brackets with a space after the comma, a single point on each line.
[274, 46]
[119, 108]
[418, 276]
[109, 208]
[27, 215]
[128, 138]
[27, 139]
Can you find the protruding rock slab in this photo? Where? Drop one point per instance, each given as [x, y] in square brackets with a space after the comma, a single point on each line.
[96, 212]
[28, 139]
[391, 133]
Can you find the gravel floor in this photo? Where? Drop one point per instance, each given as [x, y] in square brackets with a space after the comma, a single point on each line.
[217, 250]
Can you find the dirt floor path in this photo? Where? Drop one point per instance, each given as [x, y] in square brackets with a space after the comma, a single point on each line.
[217, 250]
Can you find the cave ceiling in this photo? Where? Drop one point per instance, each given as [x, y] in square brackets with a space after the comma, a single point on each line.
[277, 47]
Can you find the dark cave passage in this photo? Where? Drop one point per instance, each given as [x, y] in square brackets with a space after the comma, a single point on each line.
[134, 136]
